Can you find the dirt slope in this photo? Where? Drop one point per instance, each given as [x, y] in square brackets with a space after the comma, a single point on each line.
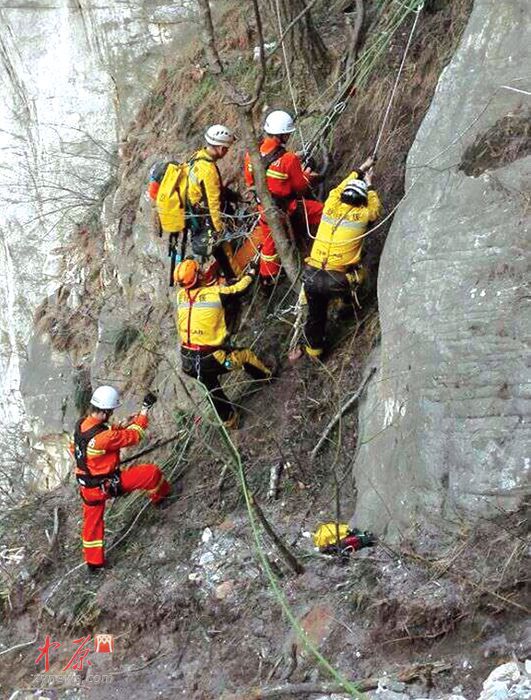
[193, 611]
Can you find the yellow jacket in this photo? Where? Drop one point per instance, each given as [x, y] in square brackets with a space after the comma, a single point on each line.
[339, 240]
[205, 186]
[201, 316]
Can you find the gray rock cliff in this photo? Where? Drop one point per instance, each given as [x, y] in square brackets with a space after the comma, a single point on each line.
[73, 75]
[444, 425]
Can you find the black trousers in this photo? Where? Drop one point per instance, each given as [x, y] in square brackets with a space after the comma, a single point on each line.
[207, 368]
[321, 286]
[173, 250]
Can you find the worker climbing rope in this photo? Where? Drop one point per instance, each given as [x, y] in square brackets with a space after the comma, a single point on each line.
[96, 448]
[206, 351]
[333, 268]
[287, 181]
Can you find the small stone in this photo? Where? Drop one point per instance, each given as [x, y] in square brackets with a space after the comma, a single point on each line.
[207, 535]
[224, 590]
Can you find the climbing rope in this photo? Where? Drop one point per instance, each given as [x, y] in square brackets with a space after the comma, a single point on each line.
[288, 75]
[397, 80]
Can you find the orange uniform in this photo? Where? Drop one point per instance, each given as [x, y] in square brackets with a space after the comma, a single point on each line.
[287, 182]
[96, 448]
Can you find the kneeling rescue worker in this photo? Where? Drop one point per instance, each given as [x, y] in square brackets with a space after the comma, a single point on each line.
[287, 180]
[205, 350]
[333, 268]
[96, 448]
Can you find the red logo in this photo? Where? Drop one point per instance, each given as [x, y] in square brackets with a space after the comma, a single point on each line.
[80, 655]
[103, 643]
[45, 652]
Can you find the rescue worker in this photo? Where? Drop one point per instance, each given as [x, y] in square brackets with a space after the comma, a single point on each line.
[96, 449]
[333, 267]
[206, 352]
[287, 181]
[205, 198]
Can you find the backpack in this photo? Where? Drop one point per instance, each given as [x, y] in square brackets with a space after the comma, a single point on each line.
[326, 534]
[171, 197]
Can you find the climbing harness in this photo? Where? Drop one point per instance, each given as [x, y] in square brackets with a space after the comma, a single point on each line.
[81, 442]
[109, 484]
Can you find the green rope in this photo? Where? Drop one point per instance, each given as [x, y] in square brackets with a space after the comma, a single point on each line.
[279, 594]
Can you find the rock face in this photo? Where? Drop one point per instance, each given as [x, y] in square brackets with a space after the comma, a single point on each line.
[73, 75]
[443, 424]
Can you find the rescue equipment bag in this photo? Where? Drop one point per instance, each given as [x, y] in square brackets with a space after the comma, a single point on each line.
[328, 533]
[350, 540]
[171, 197]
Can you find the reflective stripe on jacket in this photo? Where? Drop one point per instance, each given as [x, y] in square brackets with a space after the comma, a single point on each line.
[284, 177]
[339, 240]
[200, 314]
[204, 180]
[103, 451]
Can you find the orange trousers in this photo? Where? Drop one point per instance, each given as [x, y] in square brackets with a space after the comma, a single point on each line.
[147, 477]
[269, 259]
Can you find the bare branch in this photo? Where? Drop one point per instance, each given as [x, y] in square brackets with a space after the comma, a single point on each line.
[341, 411]
[355, 33]
[288, 557]
[209, 37]
[407, 675]
[263, 62]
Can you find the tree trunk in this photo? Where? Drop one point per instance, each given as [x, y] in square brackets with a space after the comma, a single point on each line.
[285, 249]
[244, 106]
[303, 42]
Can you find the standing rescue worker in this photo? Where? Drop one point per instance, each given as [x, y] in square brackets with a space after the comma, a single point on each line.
[205, 198]
[205, 349]
[287, 181]
[333, 267]
[96, 449]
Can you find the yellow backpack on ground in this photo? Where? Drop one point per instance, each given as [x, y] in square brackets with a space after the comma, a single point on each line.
[326, 534]
[171, 197]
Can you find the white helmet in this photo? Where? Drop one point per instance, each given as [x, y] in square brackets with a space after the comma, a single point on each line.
[106, 398]
[279, 122]
[219, 135]
[355, 188]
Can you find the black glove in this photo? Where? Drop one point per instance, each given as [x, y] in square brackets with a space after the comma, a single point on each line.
[150, 399]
